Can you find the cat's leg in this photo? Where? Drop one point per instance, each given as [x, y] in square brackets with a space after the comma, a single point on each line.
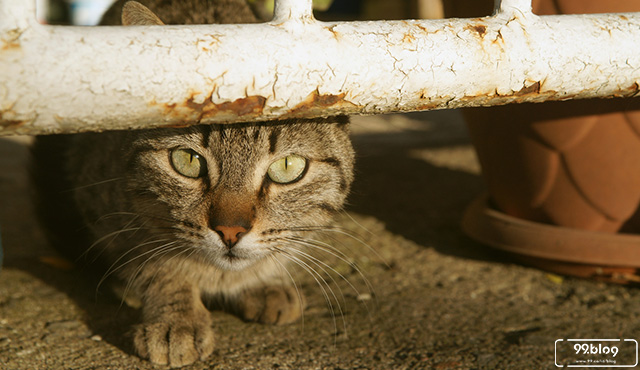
[176, 328]
[270, 304]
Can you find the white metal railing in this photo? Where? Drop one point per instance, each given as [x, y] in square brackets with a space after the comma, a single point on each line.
[68, 79]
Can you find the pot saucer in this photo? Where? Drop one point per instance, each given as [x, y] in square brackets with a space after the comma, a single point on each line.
[589, 254]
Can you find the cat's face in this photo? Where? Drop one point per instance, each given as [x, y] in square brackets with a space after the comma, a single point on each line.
[235, 195]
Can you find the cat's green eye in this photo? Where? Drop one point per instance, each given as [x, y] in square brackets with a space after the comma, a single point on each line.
[188, 163]
[288, 169]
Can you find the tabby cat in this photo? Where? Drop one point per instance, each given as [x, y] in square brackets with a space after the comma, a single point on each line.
[207, 211]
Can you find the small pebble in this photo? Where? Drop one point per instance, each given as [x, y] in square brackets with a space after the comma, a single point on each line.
[556, 279]
[63, 325]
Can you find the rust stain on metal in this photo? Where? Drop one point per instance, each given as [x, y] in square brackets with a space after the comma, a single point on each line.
[430, 106]
[529, 90]
[251, 105]
[423, 28]
[190, 112]
[10, 45]
[316, 100]
[208, 45]
[478, 28]
[629, 92]
[499, 38]
[532, 93]
[11, 124]
[11, 40]
[178, 125]
[408, 38]
[316, 103]
[336, 34]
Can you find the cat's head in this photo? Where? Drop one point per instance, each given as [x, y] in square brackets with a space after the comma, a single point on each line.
[235, 194]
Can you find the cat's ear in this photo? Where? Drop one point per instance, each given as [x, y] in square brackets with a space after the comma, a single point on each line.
[136, 14]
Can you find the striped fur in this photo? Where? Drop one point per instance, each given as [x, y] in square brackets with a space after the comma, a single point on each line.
[115, 202]
[150, 227]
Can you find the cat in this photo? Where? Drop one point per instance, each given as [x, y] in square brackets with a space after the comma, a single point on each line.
[185, 214]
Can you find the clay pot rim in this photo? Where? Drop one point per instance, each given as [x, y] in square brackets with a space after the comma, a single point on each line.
[549, 242]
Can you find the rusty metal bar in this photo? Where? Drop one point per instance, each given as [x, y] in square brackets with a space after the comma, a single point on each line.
[68, 79]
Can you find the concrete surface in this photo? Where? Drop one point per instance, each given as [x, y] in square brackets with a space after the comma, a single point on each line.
[438, 300]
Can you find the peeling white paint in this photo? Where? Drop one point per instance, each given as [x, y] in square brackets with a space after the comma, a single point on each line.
[67, 79]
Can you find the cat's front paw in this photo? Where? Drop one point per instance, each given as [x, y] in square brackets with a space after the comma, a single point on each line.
[174, 343]
[277, 304]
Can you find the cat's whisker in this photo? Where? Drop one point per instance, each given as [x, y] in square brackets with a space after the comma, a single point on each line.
[113, 269]
[323, 267]
[319, 264]
[153, 251]
[115, 234]
[283, 268]
[335, 252]
[343, 231]
[319, 280]
[350, 234]
[322, 230]
[112, 235]
[147, 216]
[341, 256]
[326, 247]
[324, 287]
[310, 244]
[114, 214]
[94, 184]
[157, 252]
[168, 248]
[357, 223]
[185, 249]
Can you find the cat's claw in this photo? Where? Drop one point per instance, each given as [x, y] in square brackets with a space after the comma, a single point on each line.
[174, 343]
[277, 304]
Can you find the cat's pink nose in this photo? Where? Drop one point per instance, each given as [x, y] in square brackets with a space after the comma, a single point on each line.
[230, 234]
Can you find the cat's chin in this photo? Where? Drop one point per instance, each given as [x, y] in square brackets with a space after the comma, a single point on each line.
[245, 254]
[233, 263]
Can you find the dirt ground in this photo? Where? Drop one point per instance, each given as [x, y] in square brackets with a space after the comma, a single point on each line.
[437, 300]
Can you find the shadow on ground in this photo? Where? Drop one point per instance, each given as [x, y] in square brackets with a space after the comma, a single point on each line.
[27, 251]
[418, 176]
[438, 300]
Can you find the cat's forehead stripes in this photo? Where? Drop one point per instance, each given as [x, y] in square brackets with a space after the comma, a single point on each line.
[235, 151]
[335, 162]
[273, 139]
[160, 139]
[206, 135]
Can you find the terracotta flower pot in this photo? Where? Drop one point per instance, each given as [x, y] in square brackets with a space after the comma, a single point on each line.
[575, 165]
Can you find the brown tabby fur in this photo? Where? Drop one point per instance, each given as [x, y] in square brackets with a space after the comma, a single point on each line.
[114, 198]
